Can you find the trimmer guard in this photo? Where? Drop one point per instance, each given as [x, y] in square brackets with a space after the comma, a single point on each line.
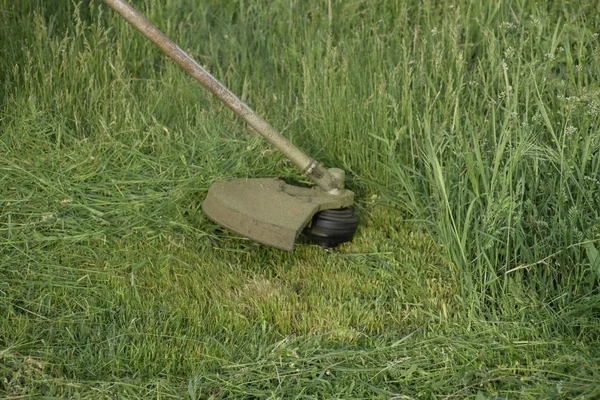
[268, 210]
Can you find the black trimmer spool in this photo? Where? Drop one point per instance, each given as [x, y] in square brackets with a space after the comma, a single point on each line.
[330, 228]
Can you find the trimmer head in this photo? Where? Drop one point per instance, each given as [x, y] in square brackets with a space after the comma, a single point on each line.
[269, 211]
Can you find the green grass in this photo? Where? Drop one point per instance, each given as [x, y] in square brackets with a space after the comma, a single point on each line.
[468, 130]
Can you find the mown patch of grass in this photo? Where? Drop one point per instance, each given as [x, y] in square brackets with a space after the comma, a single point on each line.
[468, 133]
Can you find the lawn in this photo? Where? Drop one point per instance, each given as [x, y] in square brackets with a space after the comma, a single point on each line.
[469, 131]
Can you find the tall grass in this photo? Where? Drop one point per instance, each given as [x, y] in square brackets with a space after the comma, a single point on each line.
[482, 121]
[469, 131]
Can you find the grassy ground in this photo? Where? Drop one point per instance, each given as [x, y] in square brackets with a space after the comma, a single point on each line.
[469, 131]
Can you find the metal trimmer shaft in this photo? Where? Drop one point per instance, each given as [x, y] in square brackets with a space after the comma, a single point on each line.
[330, 180]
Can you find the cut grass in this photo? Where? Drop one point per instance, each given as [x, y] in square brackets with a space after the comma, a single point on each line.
[469, 134]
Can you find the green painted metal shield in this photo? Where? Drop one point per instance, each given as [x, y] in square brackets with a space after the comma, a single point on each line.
[267, 210]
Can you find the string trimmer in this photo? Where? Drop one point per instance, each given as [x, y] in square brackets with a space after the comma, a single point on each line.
[268, 211]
